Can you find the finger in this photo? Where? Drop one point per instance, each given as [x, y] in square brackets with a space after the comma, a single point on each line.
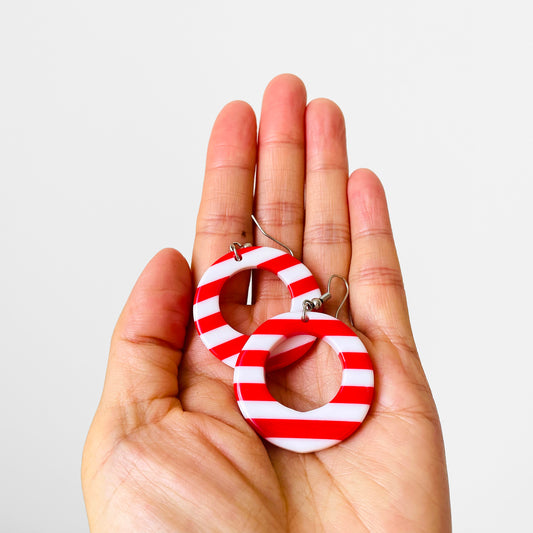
[148, 340]
[281, 163]
[327, 245]
[227, 196]
[377, 296]
[326, 251]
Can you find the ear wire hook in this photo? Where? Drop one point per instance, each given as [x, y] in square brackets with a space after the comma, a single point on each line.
[345, 296]
[270, 236]
[316, 303]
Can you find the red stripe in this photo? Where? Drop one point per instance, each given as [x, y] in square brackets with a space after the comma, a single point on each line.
[209, 290]
[253, 358]
[229, 348]
[279, 263]
[304, 429]
[353, 394]
[357, 360]
[302, 286]
[252, 392]
[216, 320]
[281, 360]
[284, 359]
[259, 392]
[291, 327]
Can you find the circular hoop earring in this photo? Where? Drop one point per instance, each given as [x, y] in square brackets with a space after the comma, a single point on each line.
[320, 428]
[218, 336]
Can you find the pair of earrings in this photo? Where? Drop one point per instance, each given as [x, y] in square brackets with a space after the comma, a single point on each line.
[280, 341]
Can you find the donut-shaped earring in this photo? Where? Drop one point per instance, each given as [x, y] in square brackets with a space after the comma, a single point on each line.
[320, 428]
[217, 335]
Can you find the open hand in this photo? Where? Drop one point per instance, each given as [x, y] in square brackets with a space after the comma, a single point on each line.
[169, 450]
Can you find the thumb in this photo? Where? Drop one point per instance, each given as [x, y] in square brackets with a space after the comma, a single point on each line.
[147, 343]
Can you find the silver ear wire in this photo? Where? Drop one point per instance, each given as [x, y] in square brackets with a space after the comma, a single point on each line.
[270, 236]
[345, 296]
[316, 303]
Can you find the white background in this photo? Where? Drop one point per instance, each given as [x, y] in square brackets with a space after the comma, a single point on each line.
[105, 112]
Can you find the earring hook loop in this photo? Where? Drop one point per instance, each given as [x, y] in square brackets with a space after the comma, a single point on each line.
[235, 246]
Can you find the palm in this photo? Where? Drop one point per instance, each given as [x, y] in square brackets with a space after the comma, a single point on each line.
[167, 455]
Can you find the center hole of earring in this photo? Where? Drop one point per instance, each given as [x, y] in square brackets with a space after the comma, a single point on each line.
[249, 298]
[310, 382]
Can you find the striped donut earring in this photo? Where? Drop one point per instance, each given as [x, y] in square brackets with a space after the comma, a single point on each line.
[218, 336]
[320, 428]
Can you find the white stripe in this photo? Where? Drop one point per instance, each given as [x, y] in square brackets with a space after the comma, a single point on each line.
[297, 301]
[206, 308]
[262, 254]
[357, 377]
[249, 374]
[232, 266]
[345, 343]
[218, 336]
[347, 412]
[320, 316]
[291, 315]
[262, 342]
[313, 315]
[303, 445]
[231, 360]
[294, 273]
[291, 343]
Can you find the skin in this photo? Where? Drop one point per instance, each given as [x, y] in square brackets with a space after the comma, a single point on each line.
[168, 449]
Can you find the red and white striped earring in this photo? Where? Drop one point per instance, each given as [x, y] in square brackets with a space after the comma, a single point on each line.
[320, 428]
[218, 336]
